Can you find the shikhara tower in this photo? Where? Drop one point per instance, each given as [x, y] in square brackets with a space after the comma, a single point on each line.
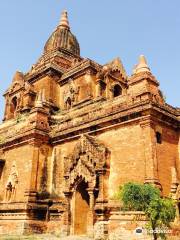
[73, 131]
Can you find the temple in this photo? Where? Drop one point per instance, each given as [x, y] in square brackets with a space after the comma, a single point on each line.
[73, 132]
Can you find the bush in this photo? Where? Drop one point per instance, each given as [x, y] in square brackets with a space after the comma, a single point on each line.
[137, 196]
[160, 213]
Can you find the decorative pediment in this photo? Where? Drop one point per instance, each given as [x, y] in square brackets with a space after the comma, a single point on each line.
[18, 77]
[15, 87]
[17, 83]
[88, 157]
[115, 66]
[94, 150]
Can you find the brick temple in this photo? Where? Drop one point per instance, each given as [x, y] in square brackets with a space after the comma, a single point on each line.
[73, 132]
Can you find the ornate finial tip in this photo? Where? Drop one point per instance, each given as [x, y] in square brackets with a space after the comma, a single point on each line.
[142, 58]
[64, 19]
[142, 66]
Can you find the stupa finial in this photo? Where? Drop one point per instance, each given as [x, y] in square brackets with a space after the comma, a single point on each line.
[64, 20]
[142, 66]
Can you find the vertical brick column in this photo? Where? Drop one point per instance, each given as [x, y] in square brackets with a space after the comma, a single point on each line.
[109, 93]
[90, 221]
[101, 174]
[149, 141]
[67, 214]
[100, 226]
[31, 191]
[98, 88]
[7, 110]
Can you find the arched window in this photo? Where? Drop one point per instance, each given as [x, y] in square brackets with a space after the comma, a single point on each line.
[117, 90]
[2, 163]
[102, 89]
[13, 105]
[14, 102]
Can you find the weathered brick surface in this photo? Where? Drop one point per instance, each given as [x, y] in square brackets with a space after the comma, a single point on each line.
[127, 155]
[22, 157]
[167, 155]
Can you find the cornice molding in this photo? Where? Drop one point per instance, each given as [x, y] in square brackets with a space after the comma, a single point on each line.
[81, 67]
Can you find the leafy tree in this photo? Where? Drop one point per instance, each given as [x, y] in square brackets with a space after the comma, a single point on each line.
[145, 197]
[138, 196]
[160, 213]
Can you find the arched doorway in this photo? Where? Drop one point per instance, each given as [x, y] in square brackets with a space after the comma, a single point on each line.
[85, 174]
[80, 209]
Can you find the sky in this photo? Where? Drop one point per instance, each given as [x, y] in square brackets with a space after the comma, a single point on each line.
[105, 29]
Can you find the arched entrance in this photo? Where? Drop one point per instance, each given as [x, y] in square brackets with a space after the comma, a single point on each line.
[80, 209]
[84, 186]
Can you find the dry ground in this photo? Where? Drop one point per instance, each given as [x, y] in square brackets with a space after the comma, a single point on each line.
[52, 237]
[42, 237]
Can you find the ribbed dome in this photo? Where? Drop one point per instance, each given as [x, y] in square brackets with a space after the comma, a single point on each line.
[63, 38]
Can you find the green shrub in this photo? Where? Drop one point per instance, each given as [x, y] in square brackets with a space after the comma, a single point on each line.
[145, 197]
[137, 196]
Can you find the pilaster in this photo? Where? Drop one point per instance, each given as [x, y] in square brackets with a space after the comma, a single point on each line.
[149, 142]
[90, 226]
[31, 191]
[67, 214]
[98, 88]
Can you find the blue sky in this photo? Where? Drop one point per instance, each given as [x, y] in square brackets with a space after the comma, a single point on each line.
[105, 29]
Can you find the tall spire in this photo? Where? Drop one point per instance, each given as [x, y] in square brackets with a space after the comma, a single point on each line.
[64, 20]
[62, 38]
[142, 65]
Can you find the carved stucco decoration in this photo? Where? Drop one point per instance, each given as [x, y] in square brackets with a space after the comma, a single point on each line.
[13, 177]
[11, 185]
[17, 83]
[15, 87]
[70, 95]
[88, 158]
[113, 66]
[29, 87]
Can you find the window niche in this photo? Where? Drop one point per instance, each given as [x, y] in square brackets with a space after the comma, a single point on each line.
[11, 186]
[117, 90]
[158, 137]
[102, 89]
[2, 163]
[13, 105]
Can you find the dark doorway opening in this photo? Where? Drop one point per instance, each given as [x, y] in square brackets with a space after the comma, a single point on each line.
[81, 209]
